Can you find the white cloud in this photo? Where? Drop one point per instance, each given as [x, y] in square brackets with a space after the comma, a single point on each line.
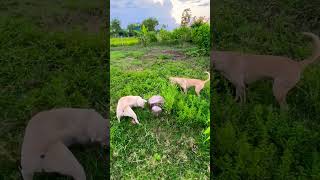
[197, 8]
[159, 1]
[168, 11]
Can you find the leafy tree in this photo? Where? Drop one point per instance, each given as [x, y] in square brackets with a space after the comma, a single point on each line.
[150, 23]
[143, 35]
[115, 27]
[132, 28]
[186, 17]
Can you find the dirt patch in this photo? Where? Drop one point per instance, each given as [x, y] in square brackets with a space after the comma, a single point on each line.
[174, 55]
[149, 56]
[130, 59]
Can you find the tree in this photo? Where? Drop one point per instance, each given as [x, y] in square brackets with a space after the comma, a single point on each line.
[115, 27]
[150, 23]
[132, 28]
[186, 17]
[143, 35]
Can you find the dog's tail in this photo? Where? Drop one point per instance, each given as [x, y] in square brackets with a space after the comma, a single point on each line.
[208, 77]
[316, 50]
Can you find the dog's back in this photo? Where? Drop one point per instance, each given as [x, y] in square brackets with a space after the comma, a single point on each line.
[64, 125]
[126, 101]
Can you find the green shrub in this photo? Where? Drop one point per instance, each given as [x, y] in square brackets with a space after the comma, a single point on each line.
[164, 36]
[152, 37]
[201, 37]
[182, 34]
[143, 36]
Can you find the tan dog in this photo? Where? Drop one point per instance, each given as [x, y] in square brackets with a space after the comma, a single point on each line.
[125, 104]
[186, 83]
[49, 133]
[241, 69]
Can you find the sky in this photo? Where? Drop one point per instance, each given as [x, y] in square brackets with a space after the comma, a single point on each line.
[168, 12]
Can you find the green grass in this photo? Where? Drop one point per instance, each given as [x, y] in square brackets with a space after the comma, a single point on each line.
[128, 41]
[43, 68]
[173, 145]
[257, 140]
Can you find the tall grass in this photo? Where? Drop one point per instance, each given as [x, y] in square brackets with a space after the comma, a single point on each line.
[127, 41]
[41, 70]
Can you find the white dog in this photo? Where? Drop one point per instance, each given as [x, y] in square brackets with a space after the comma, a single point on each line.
[124, 106]
[49, 133]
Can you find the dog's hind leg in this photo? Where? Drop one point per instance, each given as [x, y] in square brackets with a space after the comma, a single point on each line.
[130, 113]
[198, 89]
[60, 159]
[241, 92]
[238, 94]
[280, 91]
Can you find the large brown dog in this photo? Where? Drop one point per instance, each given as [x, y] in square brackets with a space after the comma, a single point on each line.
[241, 69]
[186, 83]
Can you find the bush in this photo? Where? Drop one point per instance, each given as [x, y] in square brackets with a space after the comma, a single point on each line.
[182, 34]
[152, 37]
[164, 36]
[201, 37]
[143, 36]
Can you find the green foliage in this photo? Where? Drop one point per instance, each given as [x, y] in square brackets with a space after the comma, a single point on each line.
[115, 28]
[132, 28]
[165, 56]
[207, 134]
[164, 36]
[150, 23]
[152, 37]
[201, 37]
[114, 42]
[182, 34]
[143, 36]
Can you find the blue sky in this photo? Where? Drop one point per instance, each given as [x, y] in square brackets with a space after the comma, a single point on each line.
[168, 12]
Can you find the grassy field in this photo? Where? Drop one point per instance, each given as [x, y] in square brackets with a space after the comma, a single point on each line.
[172, 145]
[49, 63]
[257, 140]
[128, 41]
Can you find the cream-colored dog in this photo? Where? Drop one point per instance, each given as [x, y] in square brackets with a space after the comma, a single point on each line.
[241, 69]
[49, 133]
[186, 83]
[125, 104]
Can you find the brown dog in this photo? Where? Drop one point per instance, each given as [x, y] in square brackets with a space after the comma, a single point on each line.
[242, 69]
[186, 83]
